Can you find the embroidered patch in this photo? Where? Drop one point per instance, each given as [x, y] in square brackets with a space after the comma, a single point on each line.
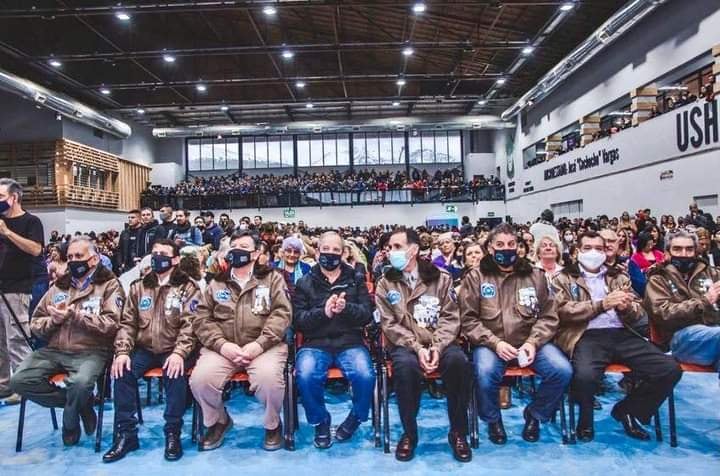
[145, 303]
[393, 297]
[488, 291]
[527, 297]
[119, 301]
[193, 305]
[453, 294]
[575, 291]
[222, 296]
[59, 298]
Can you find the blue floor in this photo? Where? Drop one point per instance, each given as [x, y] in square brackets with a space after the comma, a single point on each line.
[698, 403]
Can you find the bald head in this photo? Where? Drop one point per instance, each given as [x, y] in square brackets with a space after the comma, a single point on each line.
[331, 242]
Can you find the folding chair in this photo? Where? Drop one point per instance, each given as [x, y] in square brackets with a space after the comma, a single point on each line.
[58, 379]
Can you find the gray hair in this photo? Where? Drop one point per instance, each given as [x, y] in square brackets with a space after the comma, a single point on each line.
[84, 239]
[329, 234]
[13, 186]
[681, 234]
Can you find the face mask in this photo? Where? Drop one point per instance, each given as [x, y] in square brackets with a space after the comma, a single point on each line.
[398, 259]
[569, 238]
[505, 257]
[243, 226]
[592, 260]
[160, 263]
[78, 269]
[238, 258]
[4, 206]
[329, 261]
[684, 264]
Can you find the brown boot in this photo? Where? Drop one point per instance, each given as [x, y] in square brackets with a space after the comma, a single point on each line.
[505, 397]
[273, 439]
[216, 434]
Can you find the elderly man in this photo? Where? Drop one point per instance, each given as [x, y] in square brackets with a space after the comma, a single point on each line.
[332, 306]
[241, 322]
[682, 299]
[78, 317]
[290, 265]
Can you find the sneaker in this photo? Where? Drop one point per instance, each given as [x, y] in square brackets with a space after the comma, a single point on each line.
[323, 438]
[347, 428]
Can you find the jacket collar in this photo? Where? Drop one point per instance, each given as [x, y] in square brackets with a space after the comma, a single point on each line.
[100, 276]
[177, 278]
[427, 272]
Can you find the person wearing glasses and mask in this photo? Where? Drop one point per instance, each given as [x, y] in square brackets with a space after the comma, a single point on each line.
[241, 322]
[290, 265]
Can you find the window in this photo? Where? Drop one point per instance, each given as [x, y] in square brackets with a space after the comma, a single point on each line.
[212, 154]
[316, 151]
[286, 152]
[329, 149]
[415, 147]
[323, 150]
[262, 152]
[455, 147]
[573, 208]
[274, 157]
[343, 148]
[429, 147]
[398, 148]
[303, 151]
[373, 149]
[384, 148]
[706, 201]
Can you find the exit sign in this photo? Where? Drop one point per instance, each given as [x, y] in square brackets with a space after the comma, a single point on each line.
[289, 213]
[451, 208]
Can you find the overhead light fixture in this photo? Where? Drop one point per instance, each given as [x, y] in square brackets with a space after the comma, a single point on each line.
[58, 117]
[168, 58]
[105, 91]
[482, 102]
[401, 82]
[201, 88]
[55, 63]
[309, 105]
[528, 50]
[287, 54]
[408, 51]
[269, 11]
[224, 108]
[300, 84]
[567, 6]
[141, 111]
[419, 7]
[501, 81]
[396, 103]
[122, 16]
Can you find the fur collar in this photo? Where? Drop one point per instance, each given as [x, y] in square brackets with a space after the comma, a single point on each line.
[177, 278]
[259, 272]
[427, 272]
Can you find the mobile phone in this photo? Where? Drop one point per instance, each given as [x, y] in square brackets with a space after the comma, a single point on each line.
[523, 358]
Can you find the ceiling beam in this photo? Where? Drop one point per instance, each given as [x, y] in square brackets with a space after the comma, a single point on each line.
[336, 20]
[270, 56]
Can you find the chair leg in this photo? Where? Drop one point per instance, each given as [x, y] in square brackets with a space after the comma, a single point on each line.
[474, 428]
[289, 408]
[193, 426]
[671, 420]
[161, 389]
[386, 408]
[571, 411]
[21, 425]
[376, 415]
[563, 422]
[149, 390]
[53, 417]
[101, 411]
[658, 426]
[199, 424]
[138, 404]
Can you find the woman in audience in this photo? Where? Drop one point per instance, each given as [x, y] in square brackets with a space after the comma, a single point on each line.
[646, 256]
[57, 262]
[548, 252]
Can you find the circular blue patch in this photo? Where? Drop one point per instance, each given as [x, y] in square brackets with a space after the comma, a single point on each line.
[145, 303]
[487, 290]
[223, 295]
[393, 297]
[194, 305]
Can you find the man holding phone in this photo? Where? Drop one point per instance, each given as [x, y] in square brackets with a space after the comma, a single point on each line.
[420, 320]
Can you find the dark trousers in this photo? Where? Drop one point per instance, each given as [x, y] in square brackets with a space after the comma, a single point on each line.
[142, 360]
[83, 369]
[408, 378]
[598, 348]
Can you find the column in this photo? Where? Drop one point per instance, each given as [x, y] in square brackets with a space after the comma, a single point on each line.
[643, 101]
[589, 126]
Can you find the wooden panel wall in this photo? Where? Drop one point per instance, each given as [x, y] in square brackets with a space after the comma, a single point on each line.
[132, 180]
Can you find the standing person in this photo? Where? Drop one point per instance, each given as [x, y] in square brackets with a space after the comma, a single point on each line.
[419, 315]
[78, 317]
[21, 245]
[509, 316]
[183, 233]
[167, 218]
[212, 232]
[127, 256]
[331, 308]
[598, 310]
[155, 331]
[152, 231]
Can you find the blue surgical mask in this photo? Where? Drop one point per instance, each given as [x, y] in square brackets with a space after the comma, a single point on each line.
[398, 259]
[505, 258]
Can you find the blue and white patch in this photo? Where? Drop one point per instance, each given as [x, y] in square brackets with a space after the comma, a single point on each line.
[223, 295]
[575, 291]
[453, 295]
[193, 305]
[393, 297]
[488, 291]
[59, 298]
[119, 301]
[145, 303]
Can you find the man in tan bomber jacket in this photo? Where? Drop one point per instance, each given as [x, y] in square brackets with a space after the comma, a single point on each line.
[241, 322]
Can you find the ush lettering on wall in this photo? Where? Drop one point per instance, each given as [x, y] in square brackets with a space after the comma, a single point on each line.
[697, 126]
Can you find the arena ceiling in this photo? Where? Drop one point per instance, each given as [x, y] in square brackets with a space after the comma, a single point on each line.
[187, 63]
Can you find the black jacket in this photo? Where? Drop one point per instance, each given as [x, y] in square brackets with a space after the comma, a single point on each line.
[150, 233]
[128, 247]
[345, 329]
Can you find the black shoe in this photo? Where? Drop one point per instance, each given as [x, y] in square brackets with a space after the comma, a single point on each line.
[173, 446]
[323, 438]
[585, 433]
[631, 426]
[89, 419]
[496, 432]
[122, 445]
[347, 428]
[70, 437]
[596, 404]
[531, 430]
[460, 447]
[405, 450]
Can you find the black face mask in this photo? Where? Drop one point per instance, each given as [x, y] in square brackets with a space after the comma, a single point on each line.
[505, 258]
[78, 269]
[160, 263]
[4, 206]
[238, 258]
[329, 261]
[684, 264]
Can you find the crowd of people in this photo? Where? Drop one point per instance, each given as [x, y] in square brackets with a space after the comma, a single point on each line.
[564, 297]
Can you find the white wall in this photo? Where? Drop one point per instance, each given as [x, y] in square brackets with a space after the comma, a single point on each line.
[167, 174]
[674, 34]
[479, 164]
[70, 220]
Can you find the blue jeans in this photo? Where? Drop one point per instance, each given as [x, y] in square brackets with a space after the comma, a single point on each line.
[698, 344]
[311, 370]
[550, 364]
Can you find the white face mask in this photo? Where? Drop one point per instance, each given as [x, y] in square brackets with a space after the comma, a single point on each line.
[592, 260]
[569, 238]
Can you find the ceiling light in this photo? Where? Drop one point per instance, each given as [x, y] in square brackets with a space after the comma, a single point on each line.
[269, 11]
[401, 82]
[58, 117]
[567, 6]
[201, 88]
[482, 102]
[122, 16]
[141, 111]
[287, 54]
[408, 51]
[168, 58]
[396, 103]
[501, 81]
[528, 50]
[55, 63]
[419, 7]
[300, 84]
[105, 91]
[224, 108]
[309, 105]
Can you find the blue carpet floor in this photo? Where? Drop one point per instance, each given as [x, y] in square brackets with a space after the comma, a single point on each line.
[698, 408]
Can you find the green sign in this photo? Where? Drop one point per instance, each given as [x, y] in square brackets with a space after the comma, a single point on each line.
[491, 214]
[451, 209]
[289, 213]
